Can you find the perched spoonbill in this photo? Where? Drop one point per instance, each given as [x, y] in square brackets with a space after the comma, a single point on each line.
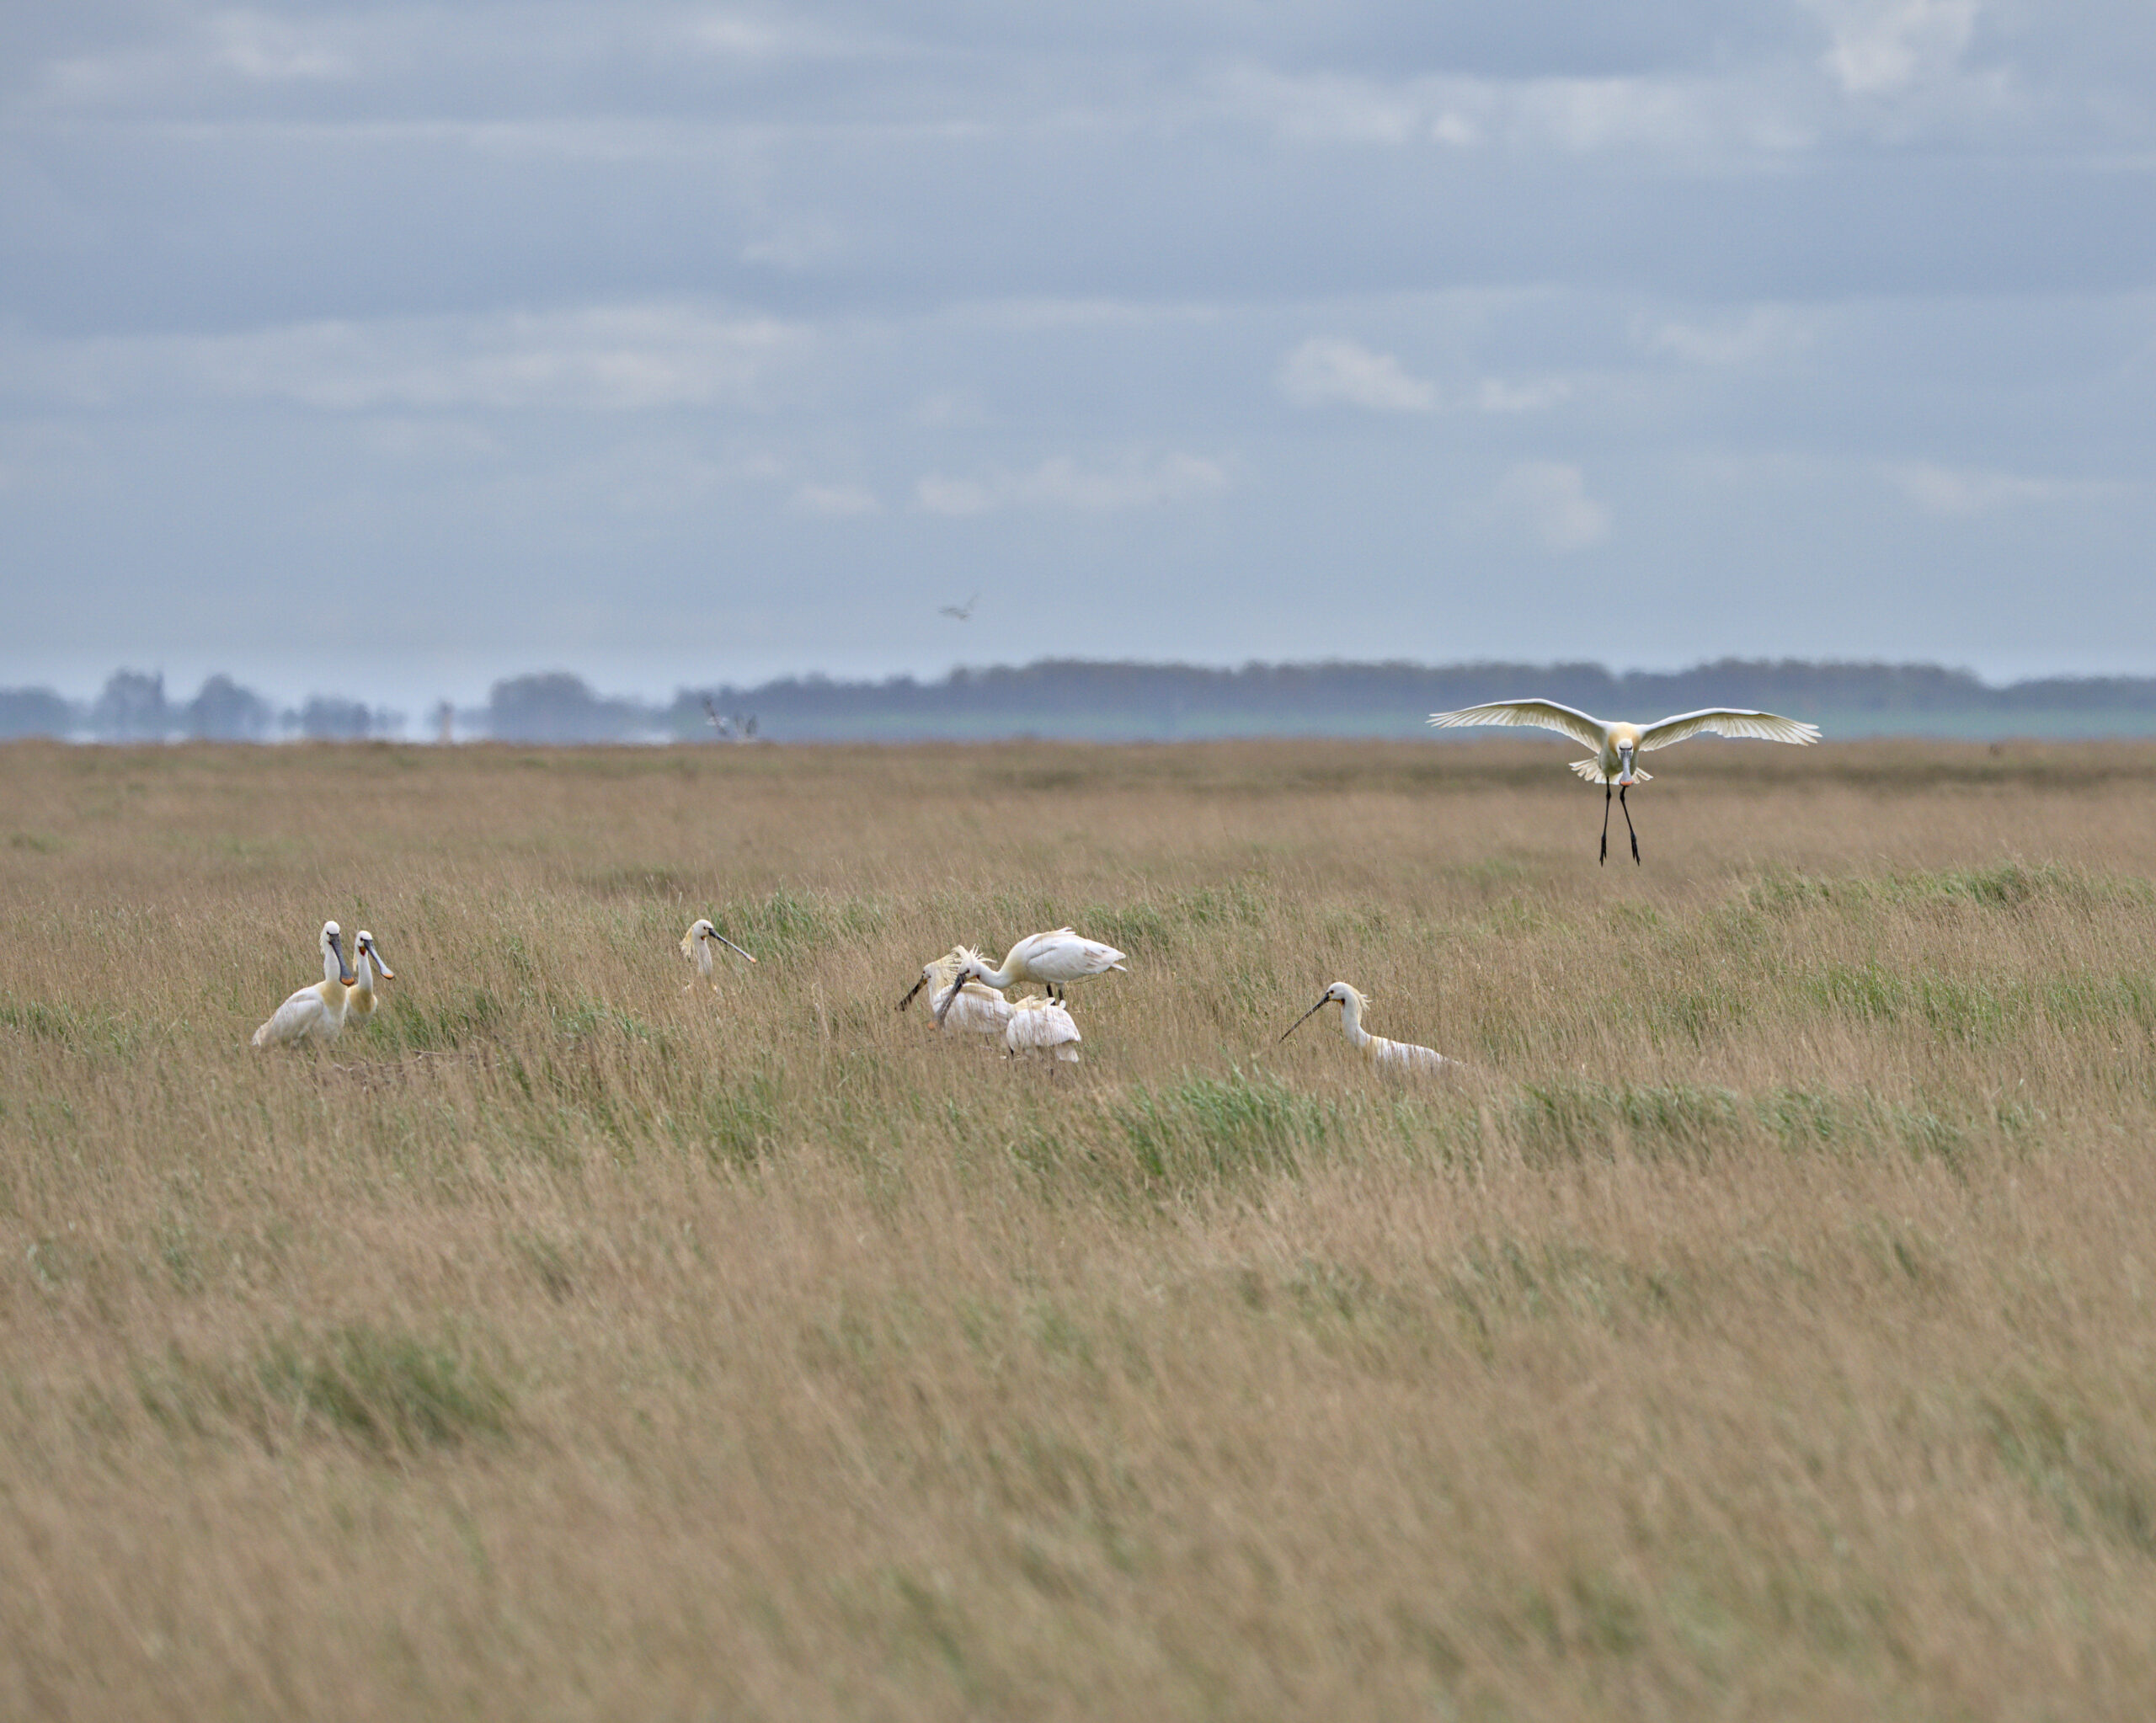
[1616, 745]
[697, 943]
[317, 1011]
[1376, 1050]
[367, 962]
[973, 1006]
[1049, 959]
[1041, 1025]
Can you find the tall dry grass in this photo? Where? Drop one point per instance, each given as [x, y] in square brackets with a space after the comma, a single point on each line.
[1757, 1326]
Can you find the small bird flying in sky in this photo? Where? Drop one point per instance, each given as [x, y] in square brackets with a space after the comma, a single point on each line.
[958, 613]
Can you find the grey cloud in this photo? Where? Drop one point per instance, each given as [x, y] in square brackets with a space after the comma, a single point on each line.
[487, 327]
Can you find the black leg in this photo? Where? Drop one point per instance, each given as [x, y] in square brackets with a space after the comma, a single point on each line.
[1605, 820]
[1628, 827]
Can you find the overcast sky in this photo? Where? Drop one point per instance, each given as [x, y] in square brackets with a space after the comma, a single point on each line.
[383, 348]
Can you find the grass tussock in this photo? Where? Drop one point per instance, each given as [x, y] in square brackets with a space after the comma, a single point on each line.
[1749, 1326]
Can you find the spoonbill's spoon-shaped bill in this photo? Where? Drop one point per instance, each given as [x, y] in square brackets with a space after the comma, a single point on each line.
[315, 1013]
[697, 943]
[971, 1006]
[1051, 959]
[1617, 746]
[1376, 1050]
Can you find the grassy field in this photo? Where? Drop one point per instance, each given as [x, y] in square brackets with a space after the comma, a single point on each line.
[1757, 1326]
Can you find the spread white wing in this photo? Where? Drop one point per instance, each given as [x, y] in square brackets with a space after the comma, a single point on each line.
[1727, 721]
[1543, 714]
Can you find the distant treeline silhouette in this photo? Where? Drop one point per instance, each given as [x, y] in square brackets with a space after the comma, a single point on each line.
[1083, 700]
[134, 707]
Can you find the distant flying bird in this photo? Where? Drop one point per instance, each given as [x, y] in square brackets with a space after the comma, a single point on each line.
[317, 1011]
[975, 1007]
[697, 943]
[736, 729]
[1052, 959]
[959, 612]
[1041, 1025]
[366, 963]
[1376, 1050]
[1616, 745]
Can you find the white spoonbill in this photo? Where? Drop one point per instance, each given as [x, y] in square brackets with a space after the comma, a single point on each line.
[366, 963]
[974, 1005]
[315, 1013]
[1052, 959]
[1043, 1026]
[697, 943]
[1617, 745]
[1376, 1050]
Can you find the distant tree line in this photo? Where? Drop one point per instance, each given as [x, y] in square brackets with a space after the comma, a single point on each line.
[134, 706]
[1118, 701]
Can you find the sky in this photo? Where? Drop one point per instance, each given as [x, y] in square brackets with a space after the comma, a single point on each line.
[383, 348]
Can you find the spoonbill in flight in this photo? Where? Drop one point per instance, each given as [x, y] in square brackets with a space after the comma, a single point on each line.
[973, 1006]
[1376, 1050]
[367, 962]
[697, 943]
[317, 1011]
[1052, 959]
[1043, 1026]
[1617, 745]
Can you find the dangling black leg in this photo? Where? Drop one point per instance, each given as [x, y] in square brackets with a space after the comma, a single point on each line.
[1605, 821]
[1628, 825]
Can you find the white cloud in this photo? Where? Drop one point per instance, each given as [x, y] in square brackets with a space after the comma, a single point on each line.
[273, 50]
[1137, 482]
[1574, 115]
[1548, 501]
[839, 501]
[1951, 491]
[1879, 46]
[956, 497]
[1496, 395]
[1328, 369]
[605, 359]
[1759, 333]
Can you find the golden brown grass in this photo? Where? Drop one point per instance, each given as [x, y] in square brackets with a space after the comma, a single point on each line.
[1760, 1327]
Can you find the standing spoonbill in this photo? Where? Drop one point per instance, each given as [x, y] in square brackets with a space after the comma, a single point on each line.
[973, 1006]
[696, 947]
[1616, 745]
[360, 1003]
[1052, 959]
[317, 1011]
[1043, 1026]
[1376, 1050]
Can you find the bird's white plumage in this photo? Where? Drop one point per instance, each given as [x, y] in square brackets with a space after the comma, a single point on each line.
[315, 1013]
[1543, 714]
[1609, 739]
[360, 1002]
[976, 1007]
[1043, 1026]
[1591, 770]
[1376, 1050]
[1727, 720]
[1052, 959]
[696, 946]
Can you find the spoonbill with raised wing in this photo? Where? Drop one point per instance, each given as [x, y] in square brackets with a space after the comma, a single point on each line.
[1617, 745]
